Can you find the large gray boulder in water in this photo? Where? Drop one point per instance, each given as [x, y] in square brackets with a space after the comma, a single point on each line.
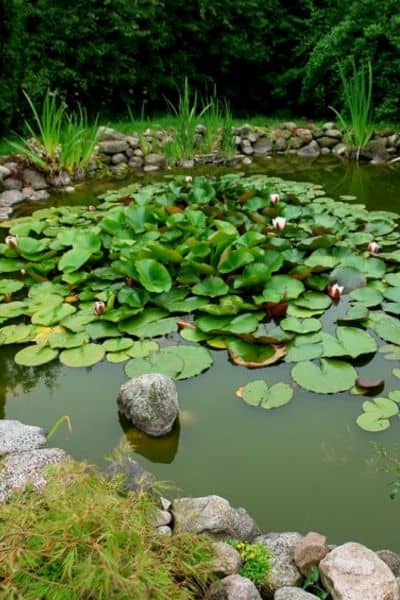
[150, 402]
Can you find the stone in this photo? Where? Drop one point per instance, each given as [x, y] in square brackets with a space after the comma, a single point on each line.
[39, 195]
[118, 158]
[327, 142]
[34, 179]
[252, 137]
[215, 516]
[19, 469]
[165, 503]
[69, 189]
[246, 148]
[293, 593]
[164, 530]
[186, 163]
[107, 133]
[11, 197]
[18, 437]
[283, 568]
[328, 125]
[309, 551]
[226, 561]
[133, 141]
[136, 162]
[296, 142]
[392, 560]
[113, 146]
[376, 148]
[393, 139]
[332, 132]
[60, 180]
[304, 134]
[150, 402]
[354, 572]
[340, 150]
[280, 144]
[263, 145]
[156, 160]
[138, 152]
[244, 130]
[325, 151]
[27, 192]
[4, 172]
[247, 161]
[12, 184]
[134, 476]
[289, 125]
[161, 518]
[233, 587]
[312, 150]
[150, 168]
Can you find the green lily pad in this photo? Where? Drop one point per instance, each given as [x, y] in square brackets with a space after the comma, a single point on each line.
[258, 393]
[349, 341]
[67, 339]
[53, 315]
[169, 364]
[153, 275]
[300, 326]
[253, 355]
[195, 359]
[330, 377]
[83, 356]
[211, 287]
[33, 356]
[367, 296]
[102, 329]
[17, 334]
[142, 348]
[388, 329]
[313, 301]
[117, 344]
[281, 287]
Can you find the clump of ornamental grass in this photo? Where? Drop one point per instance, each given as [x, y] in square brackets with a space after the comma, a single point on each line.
[84, 536]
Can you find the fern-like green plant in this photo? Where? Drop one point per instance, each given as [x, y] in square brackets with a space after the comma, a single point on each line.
[356, 120]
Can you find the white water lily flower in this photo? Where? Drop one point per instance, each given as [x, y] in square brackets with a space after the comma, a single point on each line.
[274, 198]
[373, 247]
[99, 308]
[188, 179]
[279, 223]
[11, 241]
[335, 290]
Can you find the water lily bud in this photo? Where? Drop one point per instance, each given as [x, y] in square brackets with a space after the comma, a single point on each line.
[373, 247]
[274, 198]
[335, 291]
[11, 241]
[188, 179]
[279, 223]
[92, 208]
[99, 307]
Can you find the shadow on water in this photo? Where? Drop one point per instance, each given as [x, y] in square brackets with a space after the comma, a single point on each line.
[306, 466]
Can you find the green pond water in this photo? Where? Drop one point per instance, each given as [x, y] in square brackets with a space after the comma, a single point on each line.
[303, 466]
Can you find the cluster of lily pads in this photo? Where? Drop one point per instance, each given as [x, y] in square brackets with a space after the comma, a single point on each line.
[245, 264]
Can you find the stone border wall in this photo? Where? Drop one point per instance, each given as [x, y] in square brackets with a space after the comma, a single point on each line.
[118, 153]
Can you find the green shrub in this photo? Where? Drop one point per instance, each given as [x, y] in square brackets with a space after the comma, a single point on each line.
[89, 539]
[256, 561]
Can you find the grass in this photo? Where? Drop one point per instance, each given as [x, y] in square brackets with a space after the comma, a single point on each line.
[256, 561]
[356, 120]
[91, 539]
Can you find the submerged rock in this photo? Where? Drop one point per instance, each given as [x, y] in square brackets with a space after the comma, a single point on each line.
[234, 587]
[150, 402]
[354, 572]
[215, 516]
[17, 437]
[19, 470]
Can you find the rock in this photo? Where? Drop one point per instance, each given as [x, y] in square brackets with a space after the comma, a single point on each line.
[296, 142]
[118, 158]
[27, 467]
[340, 150]
[27, 192]
[391, 559]
[156, 160]
[280, 144]
[293, 593]
[34, 179]
[327, 142]
[247, 161]
[69, 189]
[134, 476]
[39, 195]
[312, 150]
[393, 139]
[113, 146]
[17, 437]
[283, 568]
[304, 134]
[215, 516]
[353, 572]
[246, 148]
[150, 168]
[164, 530]
[263, 145]
[234, 587]
[150, 402]
[309, 551]
[4, 172]
[162, 518]
[12, 184]
[60, 180]
[107, 133]
[252, 137]
[332, 132]
[200, 129]
[186, 163]
[227, 560]
[133, 141]
[136, 162]
[289, 125]
[328, 125]
[244, 130]
[165, 503]
[11, 197]
[325, 151]
[376, 148]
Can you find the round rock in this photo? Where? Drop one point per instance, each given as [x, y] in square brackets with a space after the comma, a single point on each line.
[150, 402]
[293, 593]
[234, 587]
[227, 560]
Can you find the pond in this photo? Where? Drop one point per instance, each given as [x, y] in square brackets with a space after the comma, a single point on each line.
[306, 466]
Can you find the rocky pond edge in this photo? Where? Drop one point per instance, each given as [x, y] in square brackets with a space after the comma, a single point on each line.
[118, 154]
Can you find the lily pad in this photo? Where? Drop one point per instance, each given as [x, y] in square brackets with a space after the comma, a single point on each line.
[195, 359]
[33, 356]
[160, 362]
[258, 393]
[83, 356]
[367, 296]
[300, 326]
[331, 376]
[211, 287]
[253, 355]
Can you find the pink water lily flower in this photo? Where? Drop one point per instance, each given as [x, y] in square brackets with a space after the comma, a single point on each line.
[279, 223]
[11, 241]
[373, 247]
[335, 291]
[99, 307]
[274, 198]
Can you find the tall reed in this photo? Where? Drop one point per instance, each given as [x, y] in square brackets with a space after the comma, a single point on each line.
[356, 120]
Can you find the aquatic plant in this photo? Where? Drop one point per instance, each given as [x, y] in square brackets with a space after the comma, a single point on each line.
[357, 123]
[202, 257]
[78, 141]
[91, 538]
[256, 561]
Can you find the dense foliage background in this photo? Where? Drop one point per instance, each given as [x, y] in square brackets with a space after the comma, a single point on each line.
[265, 56]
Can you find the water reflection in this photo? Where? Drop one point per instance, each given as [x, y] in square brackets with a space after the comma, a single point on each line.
[157, 450]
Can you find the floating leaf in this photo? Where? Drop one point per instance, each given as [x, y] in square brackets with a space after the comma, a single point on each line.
[281, 287]
[17, 334]
[300, 326]
[153, 275]
[67, 339]
[83, 356]
[102, 329]
[349, 341]
[33, 356]
[161, 362]
[195, 359]
[388, 329]
[330, 377]
[257, 393]
[354, 314]
[367, 296]
[252, 355]
[211, 287]
[314, 301]
[117, 344]
[53, 315]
